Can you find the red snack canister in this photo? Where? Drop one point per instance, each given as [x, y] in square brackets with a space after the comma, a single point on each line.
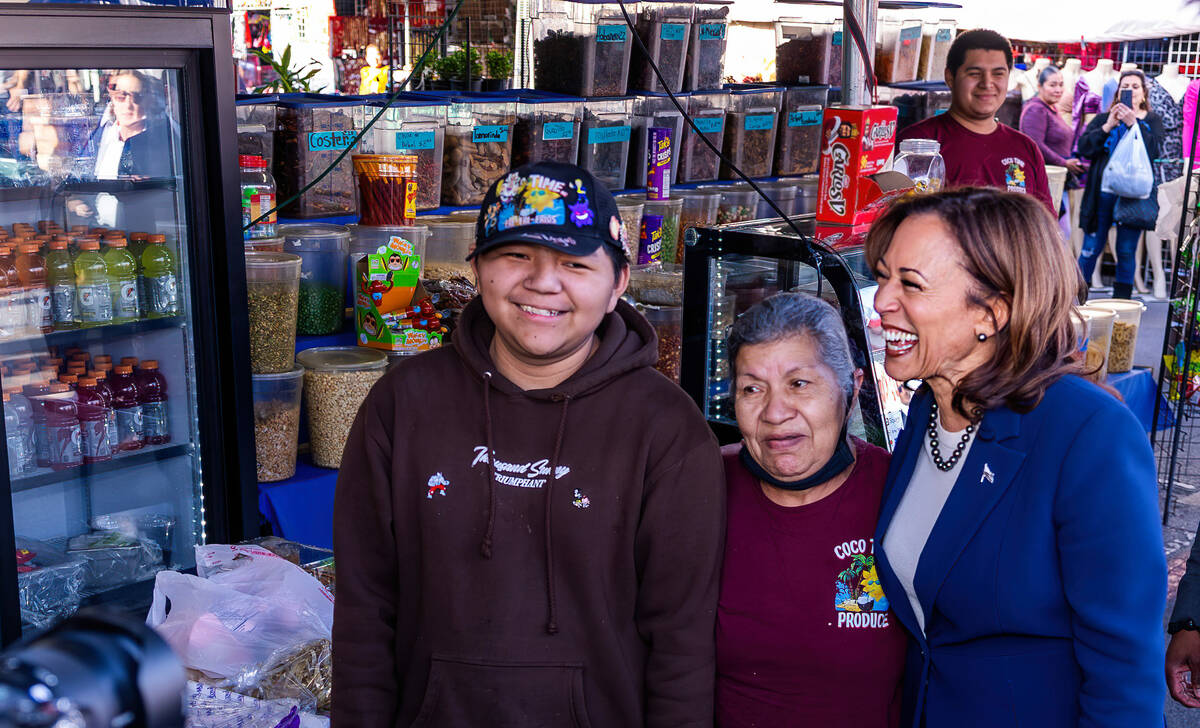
[387, 188]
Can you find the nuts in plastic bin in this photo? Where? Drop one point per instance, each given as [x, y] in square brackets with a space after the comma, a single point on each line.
[471, 167]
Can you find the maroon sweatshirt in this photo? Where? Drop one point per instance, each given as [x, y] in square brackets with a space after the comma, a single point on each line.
[471, 593]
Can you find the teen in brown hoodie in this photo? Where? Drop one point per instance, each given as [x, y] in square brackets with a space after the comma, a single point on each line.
[475, 591]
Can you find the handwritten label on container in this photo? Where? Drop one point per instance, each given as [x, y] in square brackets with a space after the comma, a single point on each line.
[608, 135]
[945, 35]
[329, 141]
[760, 122]
[415, 139]
[837, 37]
[910, 34]
[489, 133]
[610, 34]
[712, 31]
[805, 117]
[673, 31]
[554, 131]
[710, 124]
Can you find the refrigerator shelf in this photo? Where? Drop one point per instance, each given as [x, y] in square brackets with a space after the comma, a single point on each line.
[114, 187]
[98, 333]
[150, 453]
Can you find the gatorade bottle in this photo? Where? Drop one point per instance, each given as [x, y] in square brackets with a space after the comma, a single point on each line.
[71, 380]
[11, 323]
[62, 428]
[92, 286]
[14, 436]
[14, 294]
[137, 245]
[41, 446]
[158, 273]
[152, 390]
[130, 435]
[24, 415]
[110, 415]
[129, 361]
[122, 279]
[31, 270]
[60, 277]
[93, 418]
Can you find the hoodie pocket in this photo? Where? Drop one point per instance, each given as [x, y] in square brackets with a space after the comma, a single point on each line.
[463, 693]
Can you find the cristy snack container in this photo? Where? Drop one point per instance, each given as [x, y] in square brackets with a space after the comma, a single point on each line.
[857, 143]
[650, 111]
[336, 381]
[808, 52]
[750, 128]
[311, 131]
[665, 27]
[581, 48]
[277, 422]
[322, 249]
[604, 140]
[478, 146]
[706, 50]
[411, 125]
[1128, 318]
[272, 290]
[800, 117]
[696, 162]
[547, 128]
[659, 235]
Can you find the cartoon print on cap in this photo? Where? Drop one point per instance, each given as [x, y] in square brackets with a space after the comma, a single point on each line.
[581, 212]
[537, 201]
[509, 188]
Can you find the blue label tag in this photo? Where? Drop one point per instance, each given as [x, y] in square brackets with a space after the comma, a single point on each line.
[945, 35]
[712, 31]
[710, 124]
[415, 140]
[553, 131]
[329, 141]
[673, 31]
[608, 134]
[489, 133]
[809, 117]
[912, 33]
[760, 122]
[610, 34]
[837, 37]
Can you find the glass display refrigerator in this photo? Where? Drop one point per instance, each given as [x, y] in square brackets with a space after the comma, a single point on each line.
[730, 268]
[122, 305]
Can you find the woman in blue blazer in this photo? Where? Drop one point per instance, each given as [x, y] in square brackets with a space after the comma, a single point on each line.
[1018, 532]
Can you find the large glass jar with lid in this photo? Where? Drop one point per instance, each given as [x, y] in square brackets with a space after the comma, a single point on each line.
[921, 160]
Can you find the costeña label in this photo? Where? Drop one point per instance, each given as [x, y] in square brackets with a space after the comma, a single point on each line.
[330, 141]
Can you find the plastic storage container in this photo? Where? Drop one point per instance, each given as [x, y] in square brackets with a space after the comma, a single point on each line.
[255, 140]
[910, 104]
[264, 245]
[783, 193]
[657, 285]
[446, 250]
[387, 188]
[750, 129]
[336, 381]
[658, 240]
[696, 162]
[808, 52]
[800, 117]
[705, 69]
[277, 422]
[699, 210]
[365, 240]
[738, 203]
[478, 147]
[311, 131]
[936, 40]
[581, 48]
[1128, 318]
[272, 296]
[322, 249]
[922, 161]
[667, 322]
[1099, 340]
[258, 197]
[411, 125]
[897, 50]
[604, 140]
[806, 194]
[652, 110]
[630, 208]
[547, 128]
[665, 29]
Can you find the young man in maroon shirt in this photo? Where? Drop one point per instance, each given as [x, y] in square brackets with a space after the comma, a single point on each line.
[979, 150]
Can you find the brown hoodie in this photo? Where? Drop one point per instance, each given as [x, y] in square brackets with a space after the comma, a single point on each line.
[470, 594]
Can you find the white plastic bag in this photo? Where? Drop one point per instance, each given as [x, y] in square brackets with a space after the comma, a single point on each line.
[1129, 173]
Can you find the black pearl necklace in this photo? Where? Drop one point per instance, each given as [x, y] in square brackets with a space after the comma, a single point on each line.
[949, 463]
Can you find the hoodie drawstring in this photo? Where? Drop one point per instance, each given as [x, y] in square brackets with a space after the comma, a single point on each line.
[485, 547]
[552, 603]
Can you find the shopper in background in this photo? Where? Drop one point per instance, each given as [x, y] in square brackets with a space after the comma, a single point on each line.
[530, 521]
[978, 149]
[1025, 561]
[1041, 123]
[1100, 210]
[373, 77]
[803, 627]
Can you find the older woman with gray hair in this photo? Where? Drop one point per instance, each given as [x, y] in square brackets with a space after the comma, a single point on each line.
[804, 631]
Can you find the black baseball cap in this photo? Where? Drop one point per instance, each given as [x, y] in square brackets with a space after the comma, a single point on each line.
[560, 206]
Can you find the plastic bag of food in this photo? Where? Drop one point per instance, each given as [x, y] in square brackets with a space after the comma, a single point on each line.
[213, 707]
[112, 558]
[49, 582]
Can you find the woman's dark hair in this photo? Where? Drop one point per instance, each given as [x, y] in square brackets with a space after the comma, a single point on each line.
[1145, 89]
[1047, 73]
[1014, 252]
[979, 39]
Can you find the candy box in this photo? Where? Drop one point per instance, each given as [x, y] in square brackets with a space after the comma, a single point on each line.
[856, 143]
[876, 193]
[392, 311]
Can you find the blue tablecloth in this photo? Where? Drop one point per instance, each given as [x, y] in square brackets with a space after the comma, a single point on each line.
[1139, 390]
[301, 508]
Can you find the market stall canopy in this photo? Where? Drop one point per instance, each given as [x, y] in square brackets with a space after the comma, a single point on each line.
[1067, 21]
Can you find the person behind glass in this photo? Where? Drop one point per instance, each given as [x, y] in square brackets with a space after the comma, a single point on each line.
[1019, 531]
[1098, 211]
[803, 627]
[1041, 123]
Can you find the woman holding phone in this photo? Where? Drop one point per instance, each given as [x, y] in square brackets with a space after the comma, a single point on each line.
[1100, 210]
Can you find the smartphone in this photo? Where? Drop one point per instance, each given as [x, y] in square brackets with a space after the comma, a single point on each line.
[1127, 97]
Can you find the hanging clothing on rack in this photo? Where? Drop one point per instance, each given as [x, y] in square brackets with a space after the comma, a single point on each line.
[1171, 113]
[1086, 102]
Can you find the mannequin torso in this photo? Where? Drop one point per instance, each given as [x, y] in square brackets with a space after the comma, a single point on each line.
[1028, 81]
[1070, 72]
[1173, 81]
[1100, 75]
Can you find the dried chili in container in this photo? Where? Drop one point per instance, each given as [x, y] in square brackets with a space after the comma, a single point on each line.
[750, 129]
[665, 27]
[799, 150]
[808, 52]
[581, 48]
[698, 163]
[547, 128]
[705, 68]
[387, 188]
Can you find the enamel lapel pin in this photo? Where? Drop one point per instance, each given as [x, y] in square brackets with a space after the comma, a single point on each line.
[988, 475]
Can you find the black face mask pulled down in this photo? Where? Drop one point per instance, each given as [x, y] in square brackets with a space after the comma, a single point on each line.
[843, 457]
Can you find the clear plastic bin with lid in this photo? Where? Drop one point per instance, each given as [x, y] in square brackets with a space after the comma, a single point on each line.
[705, 67]
[695, 161]
[750, 129]
[922, 161]
[311, 130]
[604, 138]
[478, 149]
[653, 110]
[800, 117]
[936, 39]
[411, 125]
[322, 248]
[665, 27]
[581, 48]
[808, 52]
[897, 50]
[547, 128]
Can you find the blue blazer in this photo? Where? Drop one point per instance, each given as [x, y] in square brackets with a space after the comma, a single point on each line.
[1043, 581]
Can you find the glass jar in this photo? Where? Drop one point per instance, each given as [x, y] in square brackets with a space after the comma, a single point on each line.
[922, 161]
[258, 197]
